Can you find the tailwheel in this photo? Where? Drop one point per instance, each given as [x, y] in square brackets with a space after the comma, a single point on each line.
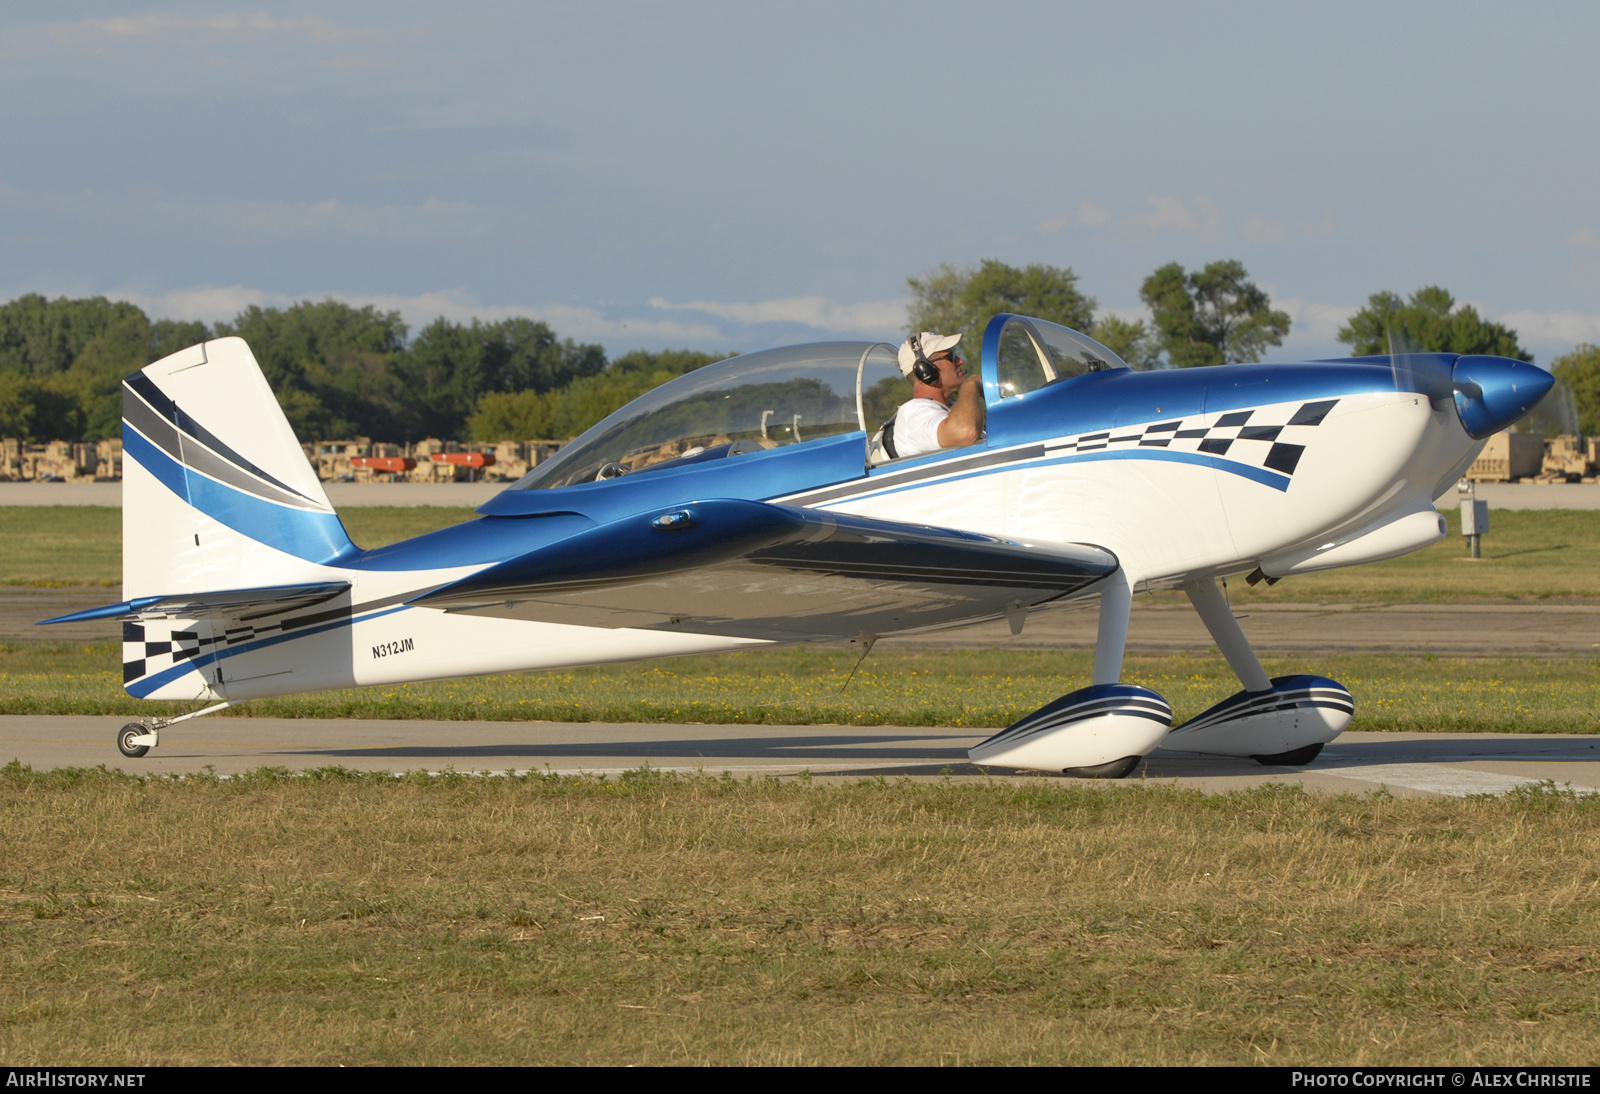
[127, 740]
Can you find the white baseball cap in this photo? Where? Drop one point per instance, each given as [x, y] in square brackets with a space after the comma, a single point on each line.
[932, 345]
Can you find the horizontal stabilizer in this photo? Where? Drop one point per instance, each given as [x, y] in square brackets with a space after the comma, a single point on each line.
[737, 567]
[236, 603]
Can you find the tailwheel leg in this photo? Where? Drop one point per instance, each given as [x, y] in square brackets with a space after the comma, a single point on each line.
[137, 738]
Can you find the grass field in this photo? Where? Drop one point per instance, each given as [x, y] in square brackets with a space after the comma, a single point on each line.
[1537, 554]
[977, 688]
[351, 919]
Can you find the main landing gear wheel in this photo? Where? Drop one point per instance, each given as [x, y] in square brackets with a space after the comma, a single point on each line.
[1295, 757]
[1116, 769]
[125, 738]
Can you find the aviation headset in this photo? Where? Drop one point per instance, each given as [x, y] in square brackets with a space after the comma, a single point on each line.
[924, 369]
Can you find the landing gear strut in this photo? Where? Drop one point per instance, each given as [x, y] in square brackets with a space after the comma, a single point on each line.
[1102, 731]
[1280, 722]
[137, 738]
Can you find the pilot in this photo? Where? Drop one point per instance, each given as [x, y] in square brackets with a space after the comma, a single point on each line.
[928, 422]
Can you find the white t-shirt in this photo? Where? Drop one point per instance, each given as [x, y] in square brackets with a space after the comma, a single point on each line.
[916, 427]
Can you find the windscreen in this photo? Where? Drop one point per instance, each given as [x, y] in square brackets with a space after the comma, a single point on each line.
[1034, 353]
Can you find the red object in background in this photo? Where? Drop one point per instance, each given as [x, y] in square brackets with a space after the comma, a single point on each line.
[383, 463]
[464, 459]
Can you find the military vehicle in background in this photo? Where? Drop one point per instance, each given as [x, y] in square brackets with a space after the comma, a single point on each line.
[1514, 456]
[60, 461]
[429, 460]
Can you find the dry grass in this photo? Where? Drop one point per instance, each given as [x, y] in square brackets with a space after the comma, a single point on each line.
[366, 920]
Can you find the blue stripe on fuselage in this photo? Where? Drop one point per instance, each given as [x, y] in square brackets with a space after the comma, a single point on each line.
[1202, 459]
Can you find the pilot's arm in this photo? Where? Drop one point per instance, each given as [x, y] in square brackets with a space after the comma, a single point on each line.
[964, 424]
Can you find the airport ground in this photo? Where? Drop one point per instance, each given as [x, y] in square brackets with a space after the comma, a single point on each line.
[339, 917]
[659, 891]
[1434, 605]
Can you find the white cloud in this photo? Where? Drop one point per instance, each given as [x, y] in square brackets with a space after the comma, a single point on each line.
[1312, 321]
[1169, 213]
[1261, 229]
[1092, 214]
[1127, 315]
[1581, 237]
[1088, 213]
[207, 303]
[1211, 218]
[1325, 228]
[810, 311]
[1547, 327]
[220, 303]
[230, 24]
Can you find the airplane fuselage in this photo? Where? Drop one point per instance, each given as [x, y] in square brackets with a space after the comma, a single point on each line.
[1180, 475]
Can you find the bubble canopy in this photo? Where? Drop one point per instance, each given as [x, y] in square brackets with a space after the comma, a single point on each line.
[749, 403]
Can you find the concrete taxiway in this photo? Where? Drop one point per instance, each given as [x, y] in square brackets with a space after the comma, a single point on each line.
[1408, 764]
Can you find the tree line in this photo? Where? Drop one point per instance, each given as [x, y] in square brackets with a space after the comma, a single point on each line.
[337, 370]
[341, 371]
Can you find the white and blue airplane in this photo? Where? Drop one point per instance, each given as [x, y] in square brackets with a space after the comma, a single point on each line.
[746, 504]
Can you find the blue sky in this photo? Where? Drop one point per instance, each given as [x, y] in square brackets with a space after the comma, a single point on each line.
[744, 175]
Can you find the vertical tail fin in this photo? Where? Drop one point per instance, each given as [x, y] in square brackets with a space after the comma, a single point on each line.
[216, 491]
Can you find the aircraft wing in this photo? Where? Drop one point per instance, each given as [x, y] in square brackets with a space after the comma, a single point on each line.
[753, 569]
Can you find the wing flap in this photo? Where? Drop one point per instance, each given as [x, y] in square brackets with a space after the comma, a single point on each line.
[753, 569]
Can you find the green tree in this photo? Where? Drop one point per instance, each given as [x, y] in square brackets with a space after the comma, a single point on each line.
[332, 367]
[40, 337]
[76, 353]
[1581, 369]
[951, 299]
[168, 336]
[451, 367]
[1429, 322]
[1134, 342]
[586, 400]
[530, 415]
[1211, 316]
[16, 405]
[513, 415]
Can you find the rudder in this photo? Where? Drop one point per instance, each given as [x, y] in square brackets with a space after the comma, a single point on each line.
[216, 491]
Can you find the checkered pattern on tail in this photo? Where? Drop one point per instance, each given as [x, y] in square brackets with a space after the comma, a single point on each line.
[156, 645]
[1248, 436]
